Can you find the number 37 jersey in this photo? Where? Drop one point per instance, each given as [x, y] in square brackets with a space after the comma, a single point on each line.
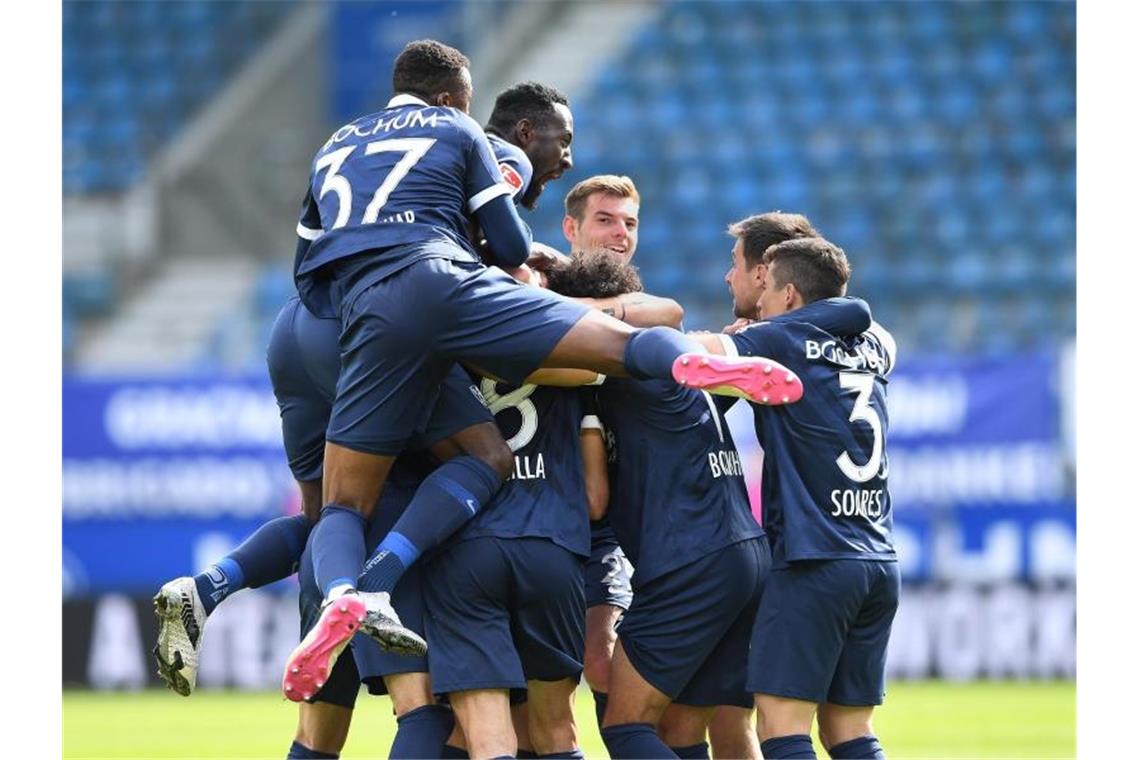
[398, 183]
[824, 488]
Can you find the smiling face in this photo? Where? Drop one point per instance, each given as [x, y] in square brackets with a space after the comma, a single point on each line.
[608, 221]
[547, 145]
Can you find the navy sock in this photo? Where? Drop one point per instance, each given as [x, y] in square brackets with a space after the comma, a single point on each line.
[794, 747]
[451, 752]
[298, 751]
[422, 732]
[600, 700]
[863, 748]
[338, 547]
[525, 754]
[634, 741]
[443, 503]
[573, 754]
[651, 352]
[693, 751]
[270, 554]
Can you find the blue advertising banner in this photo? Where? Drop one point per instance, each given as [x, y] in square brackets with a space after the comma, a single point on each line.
[163, 476]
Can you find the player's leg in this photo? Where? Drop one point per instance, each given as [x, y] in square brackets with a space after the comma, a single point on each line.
[272, 552]
[520, 718]
[859, 683]
[608, 596]
[467, 591]
[732, 733]
[846, 732]
[548, 630]
[634, 707]
[800, 634]
[520, 328]
[735, 578]
[322, 729]
[684, 728]
[485, 715]
[550, 724]
[422, 726]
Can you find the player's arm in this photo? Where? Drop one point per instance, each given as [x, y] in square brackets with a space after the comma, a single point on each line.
[490, 201]
[594, 465]
[640, 309]
[562, 378]
[842, 315]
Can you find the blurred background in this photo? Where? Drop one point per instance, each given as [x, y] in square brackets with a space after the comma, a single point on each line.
[934, 141]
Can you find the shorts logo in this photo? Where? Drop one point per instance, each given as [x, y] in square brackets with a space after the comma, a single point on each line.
[511, 176]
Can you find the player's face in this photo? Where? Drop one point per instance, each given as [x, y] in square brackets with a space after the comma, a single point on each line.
[608, 221]
[549, 151]
[774, 300]
[745, 284]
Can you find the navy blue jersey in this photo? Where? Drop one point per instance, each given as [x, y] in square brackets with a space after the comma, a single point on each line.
[399, 184]
[545, 495]
[677, 487]
[824, 488]
[513, 165]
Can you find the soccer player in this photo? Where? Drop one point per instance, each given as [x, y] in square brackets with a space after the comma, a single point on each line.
[602, 213]
[680, 509]
[820, 639]
[533, 118]
[383, 245]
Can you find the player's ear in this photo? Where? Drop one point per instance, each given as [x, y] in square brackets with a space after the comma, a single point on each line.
[569, 229]
[524, 130]
[443, 99]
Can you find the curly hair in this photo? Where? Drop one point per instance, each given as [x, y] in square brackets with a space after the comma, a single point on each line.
[598, 273]
[526, 100]
[426, 68]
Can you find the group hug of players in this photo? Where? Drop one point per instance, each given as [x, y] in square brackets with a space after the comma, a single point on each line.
[487, 434]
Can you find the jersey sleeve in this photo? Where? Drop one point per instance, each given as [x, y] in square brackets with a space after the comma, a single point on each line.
[514, 167]
[842, 316]
[309, 226]
[761, 339]
[484, 180]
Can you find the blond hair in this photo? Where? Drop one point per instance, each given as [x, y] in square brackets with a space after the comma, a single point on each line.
[609, 184]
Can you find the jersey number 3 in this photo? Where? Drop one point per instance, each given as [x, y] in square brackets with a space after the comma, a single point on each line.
[413, 149]
[864, 384]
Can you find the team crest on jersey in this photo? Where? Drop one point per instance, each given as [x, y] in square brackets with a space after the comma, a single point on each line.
[511, 176]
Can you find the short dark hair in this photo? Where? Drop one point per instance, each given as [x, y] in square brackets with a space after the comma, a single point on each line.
[817, 268]
[426, 68]
[525, 100]
[599, 273]
[761, 231]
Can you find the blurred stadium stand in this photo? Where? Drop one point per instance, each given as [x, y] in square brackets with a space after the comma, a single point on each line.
[934, 141]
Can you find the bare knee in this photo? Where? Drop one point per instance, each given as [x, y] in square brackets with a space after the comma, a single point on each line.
[409, 691]
[780, 716]
[323, 727]
[600, 638]
[550, 719]
[839, 723]
[684, 726]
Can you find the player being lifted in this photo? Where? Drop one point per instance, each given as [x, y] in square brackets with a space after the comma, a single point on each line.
[820, 639]
[383, 245]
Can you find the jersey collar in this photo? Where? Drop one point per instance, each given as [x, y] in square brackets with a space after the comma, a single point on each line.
[405, 99]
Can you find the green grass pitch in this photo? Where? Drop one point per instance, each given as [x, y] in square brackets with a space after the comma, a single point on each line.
[931, 719]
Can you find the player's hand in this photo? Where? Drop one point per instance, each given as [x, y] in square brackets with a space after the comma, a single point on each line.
[737, 326]
[543, 257]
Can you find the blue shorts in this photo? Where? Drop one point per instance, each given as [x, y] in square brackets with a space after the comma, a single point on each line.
[687, 632]
[400, 335]
[504, 611]
[304, 363]
[822, 629]
[608, 575]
